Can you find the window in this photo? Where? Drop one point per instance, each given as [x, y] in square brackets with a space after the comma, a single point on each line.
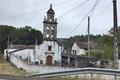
[47, 35]
[75, 52]
[49, 48]
[47, 28]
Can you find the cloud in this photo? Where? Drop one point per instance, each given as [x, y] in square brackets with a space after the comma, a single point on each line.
[100, 22]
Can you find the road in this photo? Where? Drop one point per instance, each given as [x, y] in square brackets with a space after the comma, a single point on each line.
[9, 77]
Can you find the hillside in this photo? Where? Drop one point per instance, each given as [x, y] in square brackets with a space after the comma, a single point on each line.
[7, 68]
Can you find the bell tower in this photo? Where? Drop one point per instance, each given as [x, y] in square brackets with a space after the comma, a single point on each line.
[50, 25]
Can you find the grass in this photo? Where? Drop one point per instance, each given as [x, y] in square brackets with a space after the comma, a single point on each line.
[64, 78]
[74, 78]
[7, 68]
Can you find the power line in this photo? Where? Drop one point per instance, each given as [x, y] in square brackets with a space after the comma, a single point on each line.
[90, 12]
[26, 13]
[74, 8]
[105, 9]
[79, 23]
[67, 1]
[71, 9]
[19, 15]
[96, 3]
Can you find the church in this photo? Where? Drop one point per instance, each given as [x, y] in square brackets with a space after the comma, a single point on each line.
[47, 53]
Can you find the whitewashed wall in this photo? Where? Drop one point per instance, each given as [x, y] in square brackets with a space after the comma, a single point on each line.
[119, 64]
[78, 49]
[34, 68]
[23, 53]
[41, 49]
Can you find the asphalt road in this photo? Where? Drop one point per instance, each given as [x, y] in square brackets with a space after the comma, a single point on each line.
[9, 77]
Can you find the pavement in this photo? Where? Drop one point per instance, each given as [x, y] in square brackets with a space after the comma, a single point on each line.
[10, 77]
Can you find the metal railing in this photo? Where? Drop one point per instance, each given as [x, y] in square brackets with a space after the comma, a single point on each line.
[102, 71]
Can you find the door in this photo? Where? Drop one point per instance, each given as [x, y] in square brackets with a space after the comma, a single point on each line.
[49, 60]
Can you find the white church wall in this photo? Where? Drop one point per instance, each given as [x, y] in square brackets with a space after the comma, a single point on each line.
[41, 49]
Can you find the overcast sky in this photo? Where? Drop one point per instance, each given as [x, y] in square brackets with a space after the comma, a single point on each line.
[13, 12]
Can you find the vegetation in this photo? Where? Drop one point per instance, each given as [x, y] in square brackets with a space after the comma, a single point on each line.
[98, 77]
[104, 48]
[25, 35]
[7, 68]
[79, 38]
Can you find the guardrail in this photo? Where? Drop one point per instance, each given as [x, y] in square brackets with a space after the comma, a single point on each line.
[114, 72]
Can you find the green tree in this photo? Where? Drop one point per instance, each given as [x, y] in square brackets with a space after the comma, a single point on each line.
[29, 35]
[104, 48]
[25, 36]
[6, 31]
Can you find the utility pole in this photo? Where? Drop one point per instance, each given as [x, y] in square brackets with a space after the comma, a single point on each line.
[36, 43]
[116, 58]
[7, 52]
[88, 36]
[8, 43]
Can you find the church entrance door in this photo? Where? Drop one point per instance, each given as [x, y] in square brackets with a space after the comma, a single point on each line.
[49, 60]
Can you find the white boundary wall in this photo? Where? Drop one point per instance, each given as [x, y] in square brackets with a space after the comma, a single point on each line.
[34, 68]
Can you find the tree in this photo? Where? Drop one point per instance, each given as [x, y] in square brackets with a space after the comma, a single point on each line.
[24, 36]
[104, 48]
[111, 32]
[6, 31]
[29, 35]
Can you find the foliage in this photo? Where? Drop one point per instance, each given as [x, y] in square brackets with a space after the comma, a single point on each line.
[29, 35]
[12, 70]
[104, 48]
[77, 77]
[24, 36]
[112, 32]
[5, 31]
[79, 38]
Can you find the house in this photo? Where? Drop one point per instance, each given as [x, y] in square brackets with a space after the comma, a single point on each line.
[79, 48]
[47, 53]
[75, 57]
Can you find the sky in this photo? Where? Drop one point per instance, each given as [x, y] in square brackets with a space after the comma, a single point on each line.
[20, 13]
